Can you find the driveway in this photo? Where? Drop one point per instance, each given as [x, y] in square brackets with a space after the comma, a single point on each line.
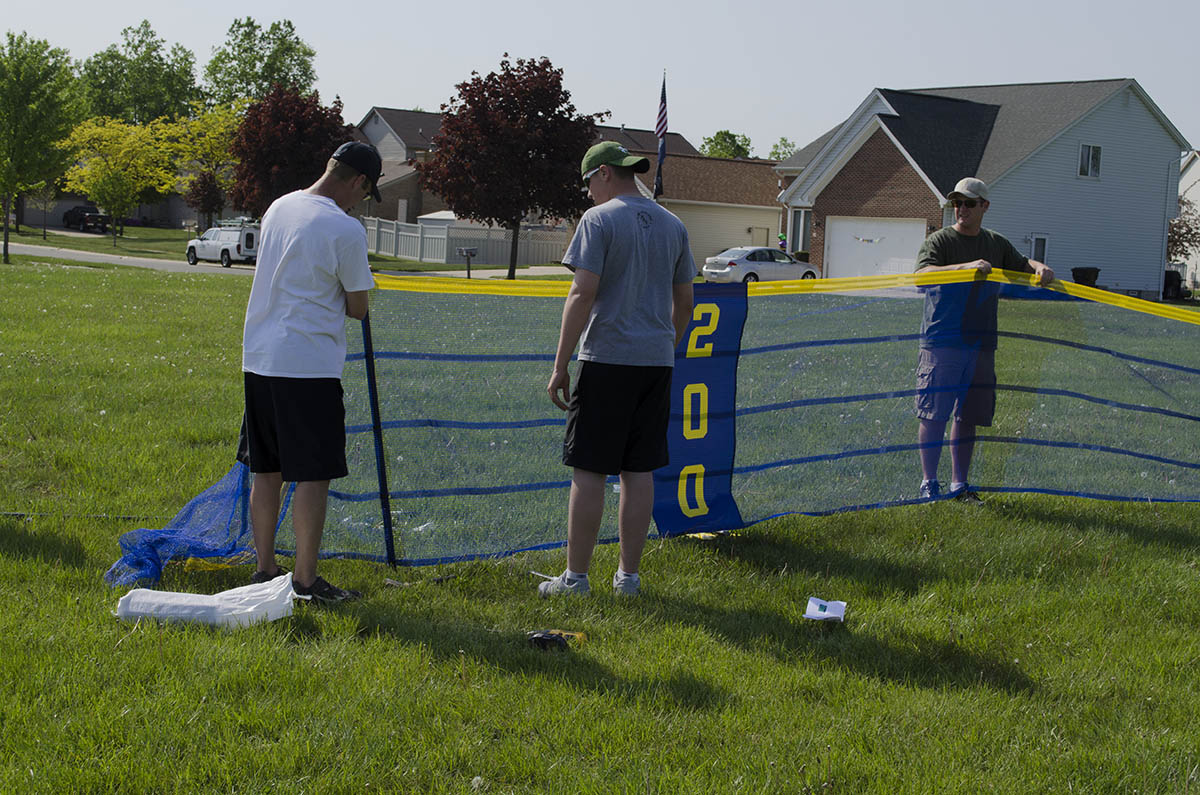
[174, 265]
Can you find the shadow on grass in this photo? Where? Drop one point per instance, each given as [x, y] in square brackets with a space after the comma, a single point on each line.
[1172, 530]
[771, 554]
[451, 641]
[904, 658]
[17, 541]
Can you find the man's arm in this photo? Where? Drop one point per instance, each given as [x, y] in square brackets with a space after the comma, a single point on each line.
[981, 265]
[681, 308]
[356, 304]
[576, 311]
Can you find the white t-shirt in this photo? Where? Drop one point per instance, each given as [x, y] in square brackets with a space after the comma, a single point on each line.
[310, 254]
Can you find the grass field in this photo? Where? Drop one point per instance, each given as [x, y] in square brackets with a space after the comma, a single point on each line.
[1036, 644]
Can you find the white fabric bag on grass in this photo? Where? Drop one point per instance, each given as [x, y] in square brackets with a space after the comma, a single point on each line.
[237, 607]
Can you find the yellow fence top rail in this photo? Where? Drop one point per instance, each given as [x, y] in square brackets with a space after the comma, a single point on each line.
[553, 289]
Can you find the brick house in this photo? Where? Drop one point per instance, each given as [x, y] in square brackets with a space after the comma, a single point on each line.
[1077, 173]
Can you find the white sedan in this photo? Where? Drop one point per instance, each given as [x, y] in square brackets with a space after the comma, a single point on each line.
[750, 264]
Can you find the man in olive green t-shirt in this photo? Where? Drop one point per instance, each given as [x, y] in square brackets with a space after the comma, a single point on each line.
[956, 373]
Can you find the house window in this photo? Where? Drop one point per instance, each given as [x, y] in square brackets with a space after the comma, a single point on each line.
[801, 230]
[1038, 247]
[1089, 160]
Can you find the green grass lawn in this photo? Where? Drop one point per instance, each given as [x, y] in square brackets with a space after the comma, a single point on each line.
[1035, 644]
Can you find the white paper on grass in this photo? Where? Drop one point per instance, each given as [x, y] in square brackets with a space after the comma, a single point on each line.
[237, 607]
[820, 610]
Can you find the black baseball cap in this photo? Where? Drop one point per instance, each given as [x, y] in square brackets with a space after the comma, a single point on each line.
[364, 159]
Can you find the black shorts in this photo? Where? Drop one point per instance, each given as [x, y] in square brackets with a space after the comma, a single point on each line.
[617, 421]
[294, 426]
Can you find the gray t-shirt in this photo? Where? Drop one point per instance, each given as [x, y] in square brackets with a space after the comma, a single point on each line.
[639, 250]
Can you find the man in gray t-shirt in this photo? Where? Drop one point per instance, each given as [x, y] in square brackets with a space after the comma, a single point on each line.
[628, 307]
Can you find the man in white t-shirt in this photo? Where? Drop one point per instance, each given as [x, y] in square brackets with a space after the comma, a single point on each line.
[311, 274]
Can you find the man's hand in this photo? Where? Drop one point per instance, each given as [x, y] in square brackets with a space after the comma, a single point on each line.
[981, 265]
[1044, 272]
[560, 383]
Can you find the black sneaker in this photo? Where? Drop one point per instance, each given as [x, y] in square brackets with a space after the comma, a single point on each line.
[260, 577]
[930, 490]
[325, 593]
[969, 498]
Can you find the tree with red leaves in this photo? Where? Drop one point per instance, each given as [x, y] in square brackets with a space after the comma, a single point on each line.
[509, 147]
[282, 145]
[204, 195]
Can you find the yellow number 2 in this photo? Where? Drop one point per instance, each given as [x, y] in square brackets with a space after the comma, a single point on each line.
[713, 312]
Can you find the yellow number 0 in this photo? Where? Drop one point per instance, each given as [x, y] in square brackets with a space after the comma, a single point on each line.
[695, 424]
[695, 350]
[685, 475]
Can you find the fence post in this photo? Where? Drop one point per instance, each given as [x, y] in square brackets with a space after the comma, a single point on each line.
[420, 243]
[396, 238]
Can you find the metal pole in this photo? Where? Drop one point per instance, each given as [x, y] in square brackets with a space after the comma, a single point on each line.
[385, 497]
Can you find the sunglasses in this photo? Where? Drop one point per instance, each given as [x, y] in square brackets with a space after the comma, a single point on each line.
[588, 176]
[970, 204]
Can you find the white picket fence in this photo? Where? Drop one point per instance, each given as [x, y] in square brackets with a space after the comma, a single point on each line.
[441, 244]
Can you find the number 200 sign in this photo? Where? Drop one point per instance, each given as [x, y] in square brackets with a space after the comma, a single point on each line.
[692, 493]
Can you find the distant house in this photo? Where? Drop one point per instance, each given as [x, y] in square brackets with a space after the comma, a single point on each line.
[406, 136]
[1189, 188]
[1079, 174]
[722, 202]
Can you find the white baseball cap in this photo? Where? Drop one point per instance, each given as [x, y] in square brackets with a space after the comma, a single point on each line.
[970, 188]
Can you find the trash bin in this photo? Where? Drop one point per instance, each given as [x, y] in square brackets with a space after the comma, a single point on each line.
[1085, 276]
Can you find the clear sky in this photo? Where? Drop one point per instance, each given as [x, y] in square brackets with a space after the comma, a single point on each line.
[763, 69]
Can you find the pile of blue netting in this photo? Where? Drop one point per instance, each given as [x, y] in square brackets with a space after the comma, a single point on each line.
[789, 397]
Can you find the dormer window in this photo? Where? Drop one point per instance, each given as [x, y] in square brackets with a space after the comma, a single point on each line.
[1089, 161]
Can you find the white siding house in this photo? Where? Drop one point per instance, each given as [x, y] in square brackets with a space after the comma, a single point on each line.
[1082, 175]
[1116, 221]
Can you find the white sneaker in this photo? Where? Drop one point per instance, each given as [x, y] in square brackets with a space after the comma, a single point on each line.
[627, 585]
[561, 585]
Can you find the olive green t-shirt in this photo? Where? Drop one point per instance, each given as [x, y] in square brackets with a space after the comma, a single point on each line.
[964, 315]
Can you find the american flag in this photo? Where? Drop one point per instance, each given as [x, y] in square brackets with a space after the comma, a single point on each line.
[660, 129]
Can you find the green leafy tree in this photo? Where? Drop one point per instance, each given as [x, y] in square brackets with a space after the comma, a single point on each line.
[42, 196]
[723, 143]
[782, 149]
[509, 147]
[253, 60]
[37, 109]
[140, 80]
[118, 164]
[201, 148]
[1183, 232]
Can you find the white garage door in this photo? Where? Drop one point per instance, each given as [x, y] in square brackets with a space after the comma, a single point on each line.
[871, 246]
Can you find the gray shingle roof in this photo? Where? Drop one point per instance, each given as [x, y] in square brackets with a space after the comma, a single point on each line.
[983, 131]
[946, 137]
[1028, 116]
[417, 128]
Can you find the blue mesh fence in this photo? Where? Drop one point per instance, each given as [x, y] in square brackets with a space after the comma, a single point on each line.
[796, 398]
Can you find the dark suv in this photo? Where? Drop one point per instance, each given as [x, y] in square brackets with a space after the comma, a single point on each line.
[84, 217]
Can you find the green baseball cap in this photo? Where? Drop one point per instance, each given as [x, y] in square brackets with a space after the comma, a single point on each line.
[611, 153]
